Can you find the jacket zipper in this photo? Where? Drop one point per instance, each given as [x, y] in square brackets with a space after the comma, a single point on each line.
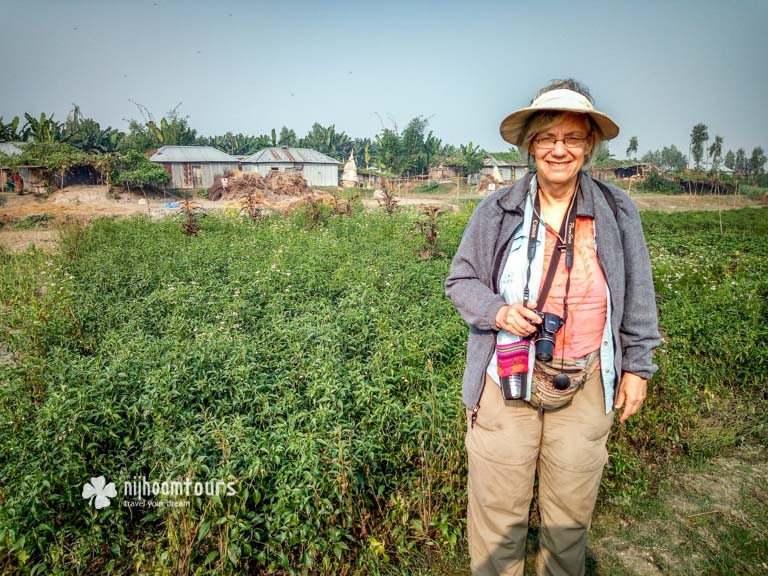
[476, 407]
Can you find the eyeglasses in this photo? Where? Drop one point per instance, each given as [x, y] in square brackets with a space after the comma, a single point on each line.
[548, 142]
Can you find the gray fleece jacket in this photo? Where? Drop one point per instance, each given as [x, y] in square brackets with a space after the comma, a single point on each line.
[472, 284]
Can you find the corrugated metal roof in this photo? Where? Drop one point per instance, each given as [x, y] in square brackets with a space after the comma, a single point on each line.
[10, 148]
[285, 154]
[191, 154]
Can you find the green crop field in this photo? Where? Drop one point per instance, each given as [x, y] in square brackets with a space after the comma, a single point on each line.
[314, 369]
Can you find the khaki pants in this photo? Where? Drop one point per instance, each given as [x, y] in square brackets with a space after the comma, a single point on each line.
[509, 444]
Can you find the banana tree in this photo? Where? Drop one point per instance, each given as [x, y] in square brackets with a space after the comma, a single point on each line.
[10, 132]
[471, 158]
[43, 129]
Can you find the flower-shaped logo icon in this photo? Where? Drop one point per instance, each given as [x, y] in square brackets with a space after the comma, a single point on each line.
[102, 491]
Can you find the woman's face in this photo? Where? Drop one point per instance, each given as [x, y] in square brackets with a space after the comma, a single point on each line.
[559, 166]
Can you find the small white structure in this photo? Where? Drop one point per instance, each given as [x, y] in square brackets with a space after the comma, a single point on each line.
[496, 175]
[317, 168]
[349, 178]
[194, 166]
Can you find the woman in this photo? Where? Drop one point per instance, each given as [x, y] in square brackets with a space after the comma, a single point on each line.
[562, 329]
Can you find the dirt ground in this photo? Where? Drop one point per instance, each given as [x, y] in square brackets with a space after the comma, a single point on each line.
[709, 519]
[82, 203]
[87, 202]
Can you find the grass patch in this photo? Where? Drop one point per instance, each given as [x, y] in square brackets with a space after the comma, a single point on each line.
[706, 518]
[316, 364]
[31, 222]
[754, 192]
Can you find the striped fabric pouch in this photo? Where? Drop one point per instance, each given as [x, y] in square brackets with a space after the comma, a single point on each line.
[512, 366]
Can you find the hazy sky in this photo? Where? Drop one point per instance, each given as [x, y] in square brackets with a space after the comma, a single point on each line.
[657, 67]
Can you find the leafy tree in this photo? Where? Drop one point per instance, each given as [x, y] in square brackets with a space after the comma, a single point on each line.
[757, 162]
[730, 160]
[699, 137]
[412, 146]
[512, 155]
[235, 144]
[42, 129]
[448, 151]
[432, 147]
[287, 137]
[326, 140]
[652, 157]
[260, 142]
[715, 151]
[10, 132]
[86, 134]
[471, 158]
[135, 170]
[670, 158]
[388, 151]
[673, 159]
[172, 130]
[741, 162]
[632, 148]
[55, 158]
[364, 151]
[601, 153]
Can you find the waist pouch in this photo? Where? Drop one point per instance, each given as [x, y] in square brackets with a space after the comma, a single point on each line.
[544, 395]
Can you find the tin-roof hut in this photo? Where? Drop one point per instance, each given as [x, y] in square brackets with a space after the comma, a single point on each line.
[194, 166]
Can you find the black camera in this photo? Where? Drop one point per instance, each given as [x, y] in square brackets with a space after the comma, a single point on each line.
[545, 340]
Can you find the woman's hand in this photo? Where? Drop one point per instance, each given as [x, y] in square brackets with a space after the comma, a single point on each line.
[632, 391]
[518, 319]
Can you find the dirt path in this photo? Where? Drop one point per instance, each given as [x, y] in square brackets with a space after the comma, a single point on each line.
[711, 519]
[82, 203]
[87, 202]
[682, 202]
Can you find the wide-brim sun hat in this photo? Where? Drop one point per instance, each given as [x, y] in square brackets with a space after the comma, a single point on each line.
[513, 126]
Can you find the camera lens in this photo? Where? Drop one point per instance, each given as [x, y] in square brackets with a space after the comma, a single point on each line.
[544, 350]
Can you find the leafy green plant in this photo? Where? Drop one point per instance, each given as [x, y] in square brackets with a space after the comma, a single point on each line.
[427, 188]
[33, 221]
[319, 370]
[754, 192]
[134, 169]
[655, 182]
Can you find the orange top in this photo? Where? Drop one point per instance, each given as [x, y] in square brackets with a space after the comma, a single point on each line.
[587, 298]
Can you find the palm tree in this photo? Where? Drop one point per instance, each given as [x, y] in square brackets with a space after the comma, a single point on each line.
[699, 136]
[632, 148]
[715, 151]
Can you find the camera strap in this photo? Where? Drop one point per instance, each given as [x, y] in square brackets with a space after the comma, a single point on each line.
[565, 241]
